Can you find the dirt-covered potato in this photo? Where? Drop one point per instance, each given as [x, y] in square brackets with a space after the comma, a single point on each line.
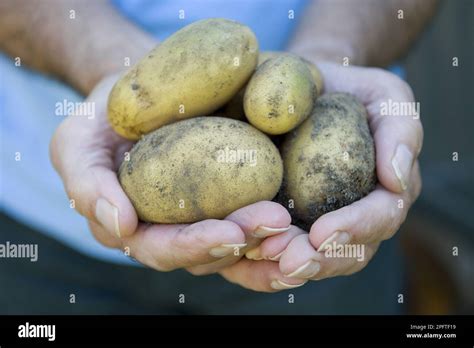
[329, 159]
[201, 168]
[280, 95]
[192, 73]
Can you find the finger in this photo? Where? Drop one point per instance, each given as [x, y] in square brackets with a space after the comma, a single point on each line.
[98, 196]
[375, 217]
[168, 247]
[397, 130]
[82, 151]
[104, 237]
[340, 260]
[262, 219]
[264, 276]
[301, 260]
[272, 247]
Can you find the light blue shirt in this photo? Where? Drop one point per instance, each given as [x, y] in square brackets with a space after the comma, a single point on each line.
[30, 189]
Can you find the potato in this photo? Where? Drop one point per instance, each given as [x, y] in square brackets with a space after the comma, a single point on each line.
[280, 95]
[192, 73]
[329, 159]
[317, 77]
[201, 168]
[235, 108]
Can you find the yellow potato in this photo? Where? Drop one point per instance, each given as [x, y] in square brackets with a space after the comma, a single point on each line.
[329, 160]
[201, 168]
[315, 72]
[235, 108]
[280, 95]
[192, 73]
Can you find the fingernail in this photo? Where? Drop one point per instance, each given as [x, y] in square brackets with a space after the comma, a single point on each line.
[308, 270]
[254, 254]
[279, 285]
[402, 163]
[339, 237]
[263, 231]
[108, 216]
[276, 257]
[226, 249]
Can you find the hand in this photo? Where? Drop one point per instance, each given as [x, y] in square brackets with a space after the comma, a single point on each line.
[86, 153]
[376, 217]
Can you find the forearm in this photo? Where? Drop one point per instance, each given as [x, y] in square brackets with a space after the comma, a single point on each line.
[367, 32]
[79, 50]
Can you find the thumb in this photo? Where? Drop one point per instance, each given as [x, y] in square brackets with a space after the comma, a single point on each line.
[82, 153]
[398, 137]
[99, 197]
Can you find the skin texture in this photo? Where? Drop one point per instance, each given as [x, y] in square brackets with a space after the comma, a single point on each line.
[329, 160]
[179, 173]
[194, 72]
[280, 95]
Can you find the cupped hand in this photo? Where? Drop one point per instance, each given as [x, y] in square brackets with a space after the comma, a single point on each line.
[364, 224]
[86, 152]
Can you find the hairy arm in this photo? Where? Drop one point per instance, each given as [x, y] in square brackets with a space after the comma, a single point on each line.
[368, 32]
[77, 41]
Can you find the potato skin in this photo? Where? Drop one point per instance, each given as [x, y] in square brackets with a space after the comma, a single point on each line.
[315, 72]
[200, 67]
[182, 164]
[277, 85]
[329, 160]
